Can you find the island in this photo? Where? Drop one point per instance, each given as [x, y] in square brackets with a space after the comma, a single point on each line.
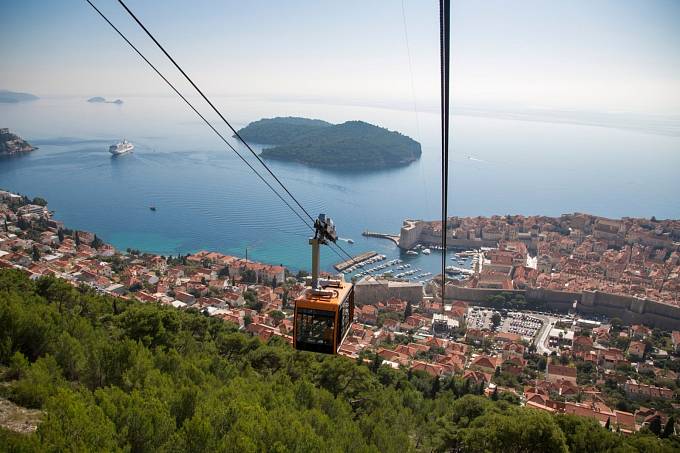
[101, 100]
[13, 97]
[11, 144]
[350, 145]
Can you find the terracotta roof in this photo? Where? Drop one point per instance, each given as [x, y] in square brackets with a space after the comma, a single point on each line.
[561, 370]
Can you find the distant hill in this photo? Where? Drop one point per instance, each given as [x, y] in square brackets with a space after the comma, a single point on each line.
[11, 144]
[353, 144]
[7, 96]
[99, 99]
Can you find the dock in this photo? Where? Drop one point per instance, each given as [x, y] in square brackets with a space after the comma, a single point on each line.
[357, 259]
[372, 234]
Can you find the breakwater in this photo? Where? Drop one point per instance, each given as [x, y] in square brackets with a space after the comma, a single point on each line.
[342, 266]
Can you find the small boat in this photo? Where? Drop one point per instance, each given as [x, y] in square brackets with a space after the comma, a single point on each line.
[427, 251]
[350, 241]
[153, 208]
[411, 252]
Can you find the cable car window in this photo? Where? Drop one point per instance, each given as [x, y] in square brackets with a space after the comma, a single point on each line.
[345, 311]
[315, 329]
[340, 331]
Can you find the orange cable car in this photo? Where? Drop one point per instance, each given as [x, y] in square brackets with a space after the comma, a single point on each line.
[325, 311]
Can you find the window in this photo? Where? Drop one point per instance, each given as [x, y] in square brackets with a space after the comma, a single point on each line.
[345, 314]
[314, 330]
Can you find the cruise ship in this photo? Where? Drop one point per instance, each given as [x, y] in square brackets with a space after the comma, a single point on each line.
[121, 148]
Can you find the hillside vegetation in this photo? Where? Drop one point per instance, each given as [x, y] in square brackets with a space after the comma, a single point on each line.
[353, 144]
[113, 375]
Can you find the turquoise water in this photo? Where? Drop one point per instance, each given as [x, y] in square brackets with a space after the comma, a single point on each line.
[207, 199]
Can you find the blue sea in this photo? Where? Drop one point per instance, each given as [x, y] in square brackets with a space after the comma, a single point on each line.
[206, 198]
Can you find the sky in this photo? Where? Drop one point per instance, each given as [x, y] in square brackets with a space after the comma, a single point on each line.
[605, 55]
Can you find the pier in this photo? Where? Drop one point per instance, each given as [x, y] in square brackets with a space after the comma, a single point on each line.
[392, 237]
[357, 259]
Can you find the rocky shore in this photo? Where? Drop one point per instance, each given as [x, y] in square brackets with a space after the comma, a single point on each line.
[11, 144]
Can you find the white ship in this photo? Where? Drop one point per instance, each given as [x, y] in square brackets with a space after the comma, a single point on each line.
[427, 251]
[121, 148]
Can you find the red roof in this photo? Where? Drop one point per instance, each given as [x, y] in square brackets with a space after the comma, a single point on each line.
[560, 370]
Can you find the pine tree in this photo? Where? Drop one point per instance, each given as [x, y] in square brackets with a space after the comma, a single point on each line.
[77, 239]
[494, 395]
[60, 233]
[607, 425]
[655, 425]
[36, 254]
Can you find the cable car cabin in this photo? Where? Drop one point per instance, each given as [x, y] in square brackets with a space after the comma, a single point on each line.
[323, 317]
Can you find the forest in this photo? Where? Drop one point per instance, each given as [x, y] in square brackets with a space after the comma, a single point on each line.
[353, 144]
[111, 374]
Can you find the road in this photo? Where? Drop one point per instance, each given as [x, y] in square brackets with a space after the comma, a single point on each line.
[542, 336]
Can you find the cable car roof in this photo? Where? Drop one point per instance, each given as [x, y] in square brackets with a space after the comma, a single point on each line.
[333, 293]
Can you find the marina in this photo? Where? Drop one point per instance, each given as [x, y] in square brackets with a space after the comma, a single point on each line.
[418, 264]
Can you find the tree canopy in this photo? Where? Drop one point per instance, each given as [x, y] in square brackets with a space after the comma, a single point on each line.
[128, 376]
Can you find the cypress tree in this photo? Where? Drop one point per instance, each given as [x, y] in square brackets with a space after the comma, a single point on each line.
[669, 429]
[408, 311]
[655, 425]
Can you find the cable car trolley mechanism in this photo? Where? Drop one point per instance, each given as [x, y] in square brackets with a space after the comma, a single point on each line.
[324, 312]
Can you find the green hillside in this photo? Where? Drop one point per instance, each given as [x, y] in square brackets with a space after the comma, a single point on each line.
[113, 375]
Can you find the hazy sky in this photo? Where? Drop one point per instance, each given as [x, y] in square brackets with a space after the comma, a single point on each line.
[606, 55]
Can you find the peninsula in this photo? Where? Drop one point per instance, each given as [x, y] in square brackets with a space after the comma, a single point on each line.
[350, 145]
[11, 144]
[12, 97]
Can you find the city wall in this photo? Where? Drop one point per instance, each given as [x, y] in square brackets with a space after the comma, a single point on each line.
[372, 293]
[431, 239]
[631, 310]
[412, 233]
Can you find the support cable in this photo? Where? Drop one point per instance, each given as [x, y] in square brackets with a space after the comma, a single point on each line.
[236, 134]
[444, 42]
[209, 124]
[198, 113]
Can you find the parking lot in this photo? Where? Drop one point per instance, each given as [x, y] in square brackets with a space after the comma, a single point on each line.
[521, 324]
[526, 325]
[479, 318]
